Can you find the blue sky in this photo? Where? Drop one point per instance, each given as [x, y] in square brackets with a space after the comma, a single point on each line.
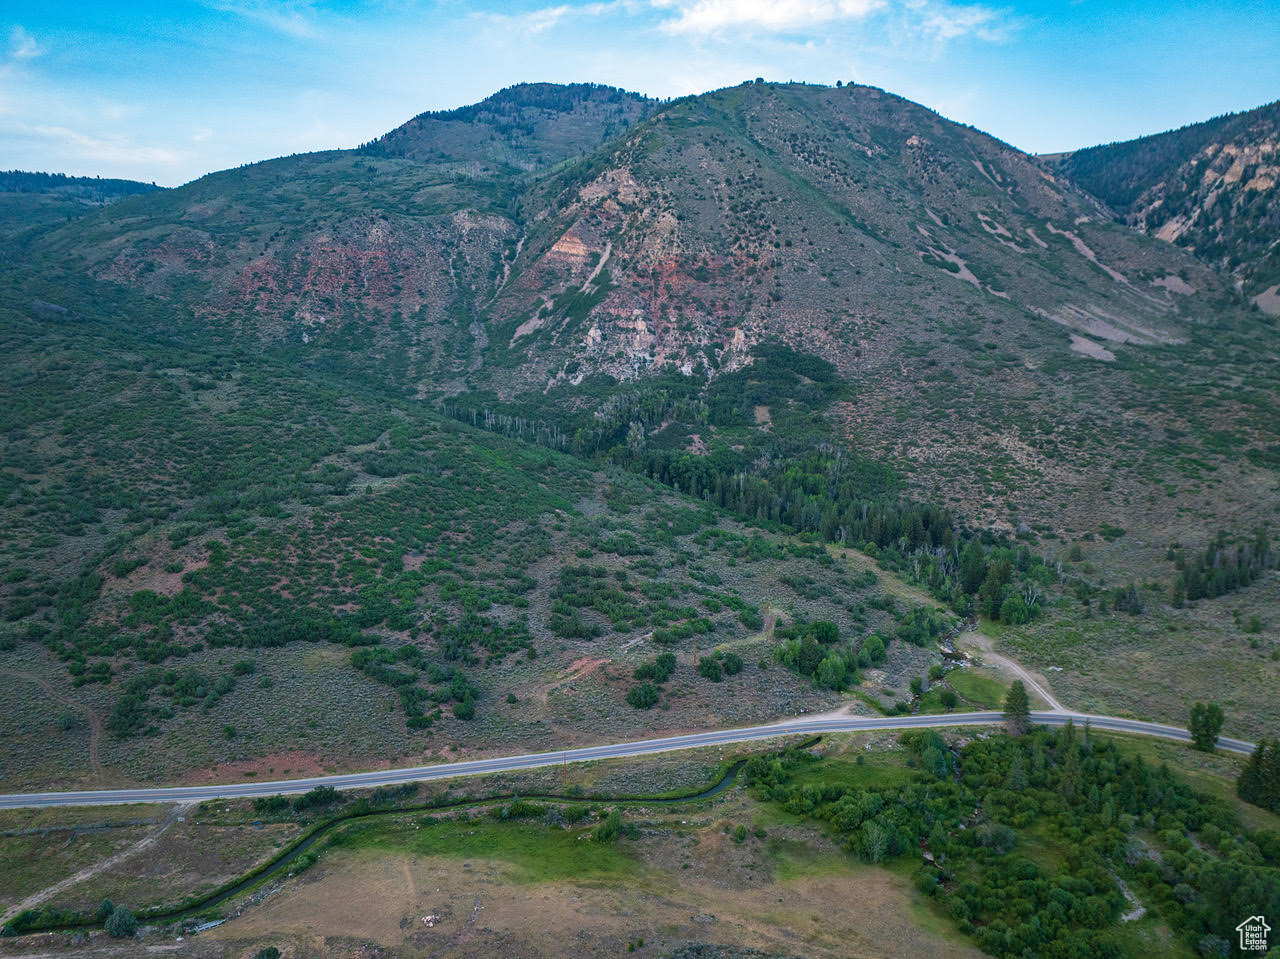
[168, 91]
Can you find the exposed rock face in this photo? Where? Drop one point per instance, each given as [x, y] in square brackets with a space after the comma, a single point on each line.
[1210, 188]
[816, 215]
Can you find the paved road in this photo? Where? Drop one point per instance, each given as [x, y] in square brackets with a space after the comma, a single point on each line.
[644, 747]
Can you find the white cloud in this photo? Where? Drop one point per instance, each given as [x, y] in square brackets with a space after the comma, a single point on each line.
[906, 20]
[22, 45]
[945, 21]
[936, 20]
[109, 150]
[538, 21]
[712, 16]
[293, 18]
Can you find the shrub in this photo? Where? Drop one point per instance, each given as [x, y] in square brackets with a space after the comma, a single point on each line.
[610, 829]
[659, 670]
[1014, 611]
[270, 804]
[121, 924]
[317, 798]
[643, 696]
[128, 716]
[710, 668]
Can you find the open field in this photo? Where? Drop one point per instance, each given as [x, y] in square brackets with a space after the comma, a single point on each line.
[687, 873]
[516, 887]
[491, 901]
[1127, 665]
[217, 841]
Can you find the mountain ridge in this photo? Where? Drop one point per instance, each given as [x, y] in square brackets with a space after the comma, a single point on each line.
[938, 268]
[1209, 187]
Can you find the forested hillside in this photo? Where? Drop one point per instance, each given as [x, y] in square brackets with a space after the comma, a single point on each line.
[1208, 187]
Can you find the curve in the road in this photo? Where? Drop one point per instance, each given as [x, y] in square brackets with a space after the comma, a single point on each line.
[643, 747]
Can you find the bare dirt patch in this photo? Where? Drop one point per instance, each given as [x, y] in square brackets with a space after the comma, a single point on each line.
[1174, 284]
[1268, 300]
[294, 765]
[1089, 348]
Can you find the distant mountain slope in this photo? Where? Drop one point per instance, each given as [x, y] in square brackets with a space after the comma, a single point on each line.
[35, 200]
[230, 421]
[192, 536]
[949, 279]
[1209, 187]
[524, 127]
[94, 189]
[410, 232]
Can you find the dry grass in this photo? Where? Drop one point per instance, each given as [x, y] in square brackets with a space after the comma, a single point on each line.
[681, 882]
[1156, 665]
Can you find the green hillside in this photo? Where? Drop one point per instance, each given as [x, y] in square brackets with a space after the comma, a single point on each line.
[443, 442]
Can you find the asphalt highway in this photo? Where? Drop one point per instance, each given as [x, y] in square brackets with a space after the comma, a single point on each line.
[644, 747]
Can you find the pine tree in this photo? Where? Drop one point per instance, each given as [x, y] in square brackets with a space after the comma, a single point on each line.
[1072, 776]
[1017, 709]
[121, 924]
[1205, 725]
[1259, 781]
[1249, 785]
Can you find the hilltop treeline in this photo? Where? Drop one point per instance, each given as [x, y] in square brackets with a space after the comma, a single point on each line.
[1119, 173]
[94, 189]
[555, 97]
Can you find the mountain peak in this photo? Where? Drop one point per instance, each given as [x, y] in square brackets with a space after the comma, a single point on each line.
[526, 127]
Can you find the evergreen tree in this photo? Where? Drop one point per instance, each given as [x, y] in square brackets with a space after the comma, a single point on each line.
[1016, 781]
[1072, 777]
[973, 567]
[991, 594]
[1017, 709]
[121, 924]
[1205, 725]
[1259, 781]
